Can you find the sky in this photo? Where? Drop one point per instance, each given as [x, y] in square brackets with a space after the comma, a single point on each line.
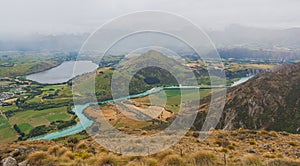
[21, 17]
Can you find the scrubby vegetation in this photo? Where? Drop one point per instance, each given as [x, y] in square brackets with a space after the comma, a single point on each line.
[191, 151]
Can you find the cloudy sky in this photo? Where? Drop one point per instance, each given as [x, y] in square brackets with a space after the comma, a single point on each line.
[19, 17]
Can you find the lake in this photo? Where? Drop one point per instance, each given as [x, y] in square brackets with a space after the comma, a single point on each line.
[63, 73]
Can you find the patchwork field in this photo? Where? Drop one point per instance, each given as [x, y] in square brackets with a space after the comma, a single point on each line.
[27, 120]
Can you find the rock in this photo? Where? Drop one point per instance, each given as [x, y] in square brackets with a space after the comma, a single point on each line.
[251, 151]
[9, 161]
[225, 143]
[287, 154]
[23, 163]
[267, 146]
[284, 133]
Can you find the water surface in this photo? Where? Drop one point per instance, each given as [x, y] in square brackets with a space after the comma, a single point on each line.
[63, 73]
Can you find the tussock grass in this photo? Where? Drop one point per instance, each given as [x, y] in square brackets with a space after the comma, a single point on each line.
[38, 158]
[105, 160]
[251, 160]
[204, 158]
[172, 160]
[283, 162]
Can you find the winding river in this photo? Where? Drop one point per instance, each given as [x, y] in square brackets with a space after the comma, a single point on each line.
[64, 72]
[85, 122]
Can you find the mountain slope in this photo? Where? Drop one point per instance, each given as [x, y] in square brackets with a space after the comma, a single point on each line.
[268, 101]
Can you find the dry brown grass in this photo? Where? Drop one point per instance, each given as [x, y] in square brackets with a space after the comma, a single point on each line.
[105, 160]
[204, 158]
[39, 158]
[172, 160]
[251, 160]
[283, 162]
[270, 148]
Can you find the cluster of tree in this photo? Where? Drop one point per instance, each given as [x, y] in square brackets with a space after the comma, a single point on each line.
[65, 124]
[51, 95]
[19, 131]
[43, 129]
[39, 106]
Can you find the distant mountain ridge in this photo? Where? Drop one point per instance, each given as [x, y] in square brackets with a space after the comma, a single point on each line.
[231, 37]
[268, 101]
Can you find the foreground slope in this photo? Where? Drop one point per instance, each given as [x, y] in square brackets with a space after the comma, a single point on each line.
[238, 147]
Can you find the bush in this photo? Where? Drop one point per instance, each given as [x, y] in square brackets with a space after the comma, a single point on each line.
[54, 151]
[204, 158]
[150, 161]
[293, 143]
[252, 142]
[69, 155]
[106, 160]
[172, 160]
[83, 155]
[38, 158]
[270, 156]
[81, 146]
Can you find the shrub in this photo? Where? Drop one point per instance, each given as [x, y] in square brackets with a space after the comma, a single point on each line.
[224, 150]
[150, 161]
[251, 160]
[106, 160]
[172, 160]
[62, 151]
[273, 133]
[54, 151]
[81, 146]
[269, 156]
[83, 155]
[38, 158]
[69, 155]
[264, 132]
[204, 158]
[293, 143]
[252, 142]
[218, 142]
[231, 147]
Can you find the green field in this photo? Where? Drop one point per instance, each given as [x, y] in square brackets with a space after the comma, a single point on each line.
[174, 97]
[29, 119]
[25, 127]
[7, 133]
[15, 63]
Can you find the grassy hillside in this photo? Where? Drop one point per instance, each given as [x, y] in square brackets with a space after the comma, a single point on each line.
[268, 101]
[238, 147]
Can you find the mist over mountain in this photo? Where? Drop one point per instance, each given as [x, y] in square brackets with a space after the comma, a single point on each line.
[231, 37]
[236, 35]
[38, 42]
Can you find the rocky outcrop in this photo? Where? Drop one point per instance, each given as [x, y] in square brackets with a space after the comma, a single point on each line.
[9, 161]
